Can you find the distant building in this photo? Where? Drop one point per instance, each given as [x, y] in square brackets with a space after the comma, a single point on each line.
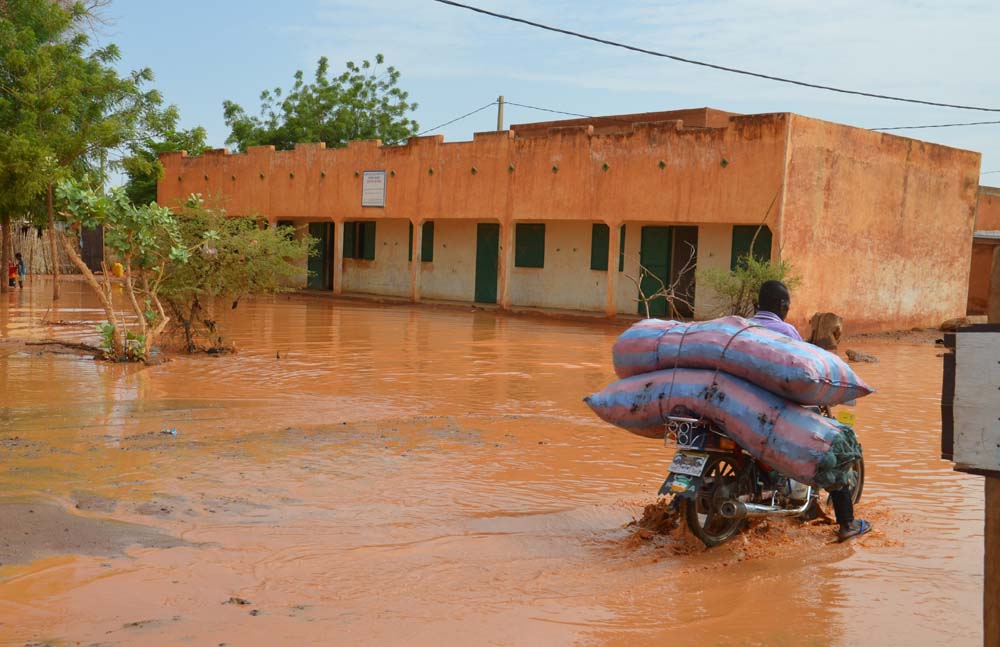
[560, 214]
[986, 238]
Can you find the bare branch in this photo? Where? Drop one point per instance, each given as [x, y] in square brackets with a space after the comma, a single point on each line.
[671, 293]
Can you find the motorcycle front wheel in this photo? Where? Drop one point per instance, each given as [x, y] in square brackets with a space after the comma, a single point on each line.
[722, 480]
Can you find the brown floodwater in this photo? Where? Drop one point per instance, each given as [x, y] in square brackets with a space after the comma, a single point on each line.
[368, 474]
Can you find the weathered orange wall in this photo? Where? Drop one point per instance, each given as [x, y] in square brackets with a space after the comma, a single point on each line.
[879, 227]
[431, 179]
[980, 271]
[988, 209]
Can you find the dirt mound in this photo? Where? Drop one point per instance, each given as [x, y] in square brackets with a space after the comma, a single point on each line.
[34, 529]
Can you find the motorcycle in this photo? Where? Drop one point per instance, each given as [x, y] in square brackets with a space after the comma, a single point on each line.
[718, 486]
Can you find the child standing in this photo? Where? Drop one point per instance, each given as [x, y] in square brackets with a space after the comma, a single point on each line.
[11, 273]
[21, 270]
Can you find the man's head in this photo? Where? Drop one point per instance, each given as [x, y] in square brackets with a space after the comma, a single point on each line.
[17, 256]
[774, 297]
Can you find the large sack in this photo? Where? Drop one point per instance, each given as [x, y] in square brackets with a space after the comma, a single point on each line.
[792, 369]
[795, 441]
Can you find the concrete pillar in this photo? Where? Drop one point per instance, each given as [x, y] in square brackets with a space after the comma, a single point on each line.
[506, 261]
[417, 262]
[614, 243]
[338, 257]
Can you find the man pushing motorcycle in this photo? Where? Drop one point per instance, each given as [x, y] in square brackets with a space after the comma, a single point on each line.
[773, 302]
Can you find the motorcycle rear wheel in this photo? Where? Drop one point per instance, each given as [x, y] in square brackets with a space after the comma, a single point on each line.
[722, 480]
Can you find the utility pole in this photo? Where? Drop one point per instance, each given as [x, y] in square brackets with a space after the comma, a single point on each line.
[991, 533]
[500, 112]
[970, 433]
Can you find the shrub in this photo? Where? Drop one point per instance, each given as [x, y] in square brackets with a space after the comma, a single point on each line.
[737, 290]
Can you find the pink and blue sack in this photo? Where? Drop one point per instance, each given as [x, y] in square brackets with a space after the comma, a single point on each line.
[793, 369]
[791, 439]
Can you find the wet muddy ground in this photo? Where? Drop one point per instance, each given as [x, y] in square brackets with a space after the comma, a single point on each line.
[364, 474]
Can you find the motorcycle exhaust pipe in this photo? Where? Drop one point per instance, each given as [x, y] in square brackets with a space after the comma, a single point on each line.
[741, 510]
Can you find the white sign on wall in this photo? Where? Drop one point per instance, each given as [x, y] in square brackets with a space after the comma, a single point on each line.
[373, 189]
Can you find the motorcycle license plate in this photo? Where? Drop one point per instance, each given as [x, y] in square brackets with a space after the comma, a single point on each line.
[688, 463]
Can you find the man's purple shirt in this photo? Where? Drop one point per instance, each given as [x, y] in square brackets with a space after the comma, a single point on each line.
[771, 321]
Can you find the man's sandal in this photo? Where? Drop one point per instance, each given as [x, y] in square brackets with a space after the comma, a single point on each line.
[857, 528]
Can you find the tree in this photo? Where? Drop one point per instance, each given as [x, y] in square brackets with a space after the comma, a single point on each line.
[240, 259]
[64, 109]
[737, 290]
[143, 167]
[147, 241]
[25, 163]
[362, 103]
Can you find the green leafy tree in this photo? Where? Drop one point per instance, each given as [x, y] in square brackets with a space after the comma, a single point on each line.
[65, 111]
[147, 242]
[238, 259]
[737, 290]
[363, 102]
[142, 165]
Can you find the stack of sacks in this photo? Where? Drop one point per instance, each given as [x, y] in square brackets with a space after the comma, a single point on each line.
[748, 380]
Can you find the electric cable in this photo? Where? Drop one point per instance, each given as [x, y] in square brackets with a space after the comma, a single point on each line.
[448, 123]
[576, 114]
[571, 114]
[968, 123]
[714, 66]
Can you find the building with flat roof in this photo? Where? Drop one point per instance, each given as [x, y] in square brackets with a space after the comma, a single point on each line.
[985, 240]
[561, 214]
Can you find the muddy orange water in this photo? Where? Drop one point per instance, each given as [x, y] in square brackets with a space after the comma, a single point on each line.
[411, 475]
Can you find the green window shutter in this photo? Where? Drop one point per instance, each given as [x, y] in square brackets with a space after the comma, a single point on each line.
[529, 245]
[621, 249]
[350, 235]
[743, 235]
[599, 237]
[427, 243]
[368, 240]
[409, 244]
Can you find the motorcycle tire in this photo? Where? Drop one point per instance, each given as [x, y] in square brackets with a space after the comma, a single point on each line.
[722, 479]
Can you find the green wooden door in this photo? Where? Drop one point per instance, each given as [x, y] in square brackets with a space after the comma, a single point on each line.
[321, 265]
[654, 254]
[683, 262]
[487, 255]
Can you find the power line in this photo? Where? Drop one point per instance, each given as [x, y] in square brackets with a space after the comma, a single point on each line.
[571, 114]
[558, 112]
[576, 114]
[723, 68]
[968, 123]
[989, 172]
[448, 123]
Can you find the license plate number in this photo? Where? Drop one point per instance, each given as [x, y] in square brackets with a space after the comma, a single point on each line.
[688, 463]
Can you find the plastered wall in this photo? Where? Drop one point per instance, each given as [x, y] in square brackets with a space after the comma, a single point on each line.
[452, 274]
[566, 281]
[878, 227]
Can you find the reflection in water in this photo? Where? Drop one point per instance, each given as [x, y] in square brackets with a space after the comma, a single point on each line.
[390, 474]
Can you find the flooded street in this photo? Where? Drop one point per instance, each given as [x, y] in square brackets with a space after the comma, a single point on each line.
[368, 474]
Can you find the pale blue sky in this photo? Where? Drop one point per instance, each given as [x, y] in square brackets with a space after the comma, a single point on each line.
[453, 61]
